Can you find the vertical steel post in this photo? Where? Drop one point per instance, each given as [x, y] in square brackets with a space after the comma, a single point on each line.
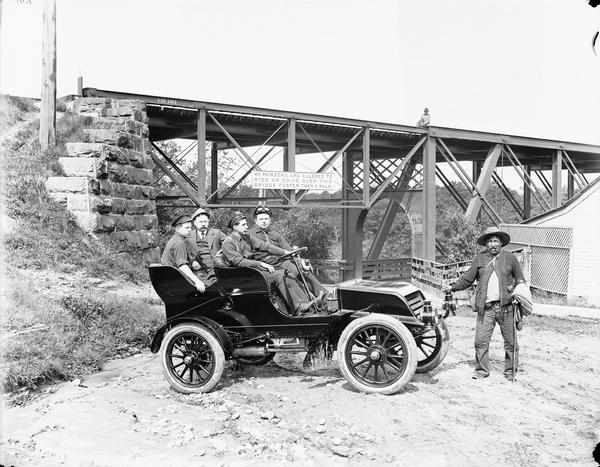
[366, 153]
[289, 159]
[557, 179]
[214, 172]
[570, 185]
[429, 199]
[526, 194]
[201, 156]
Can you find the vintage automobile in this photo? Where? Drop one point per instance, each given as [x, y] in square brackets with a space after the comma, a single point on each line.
[382, 332]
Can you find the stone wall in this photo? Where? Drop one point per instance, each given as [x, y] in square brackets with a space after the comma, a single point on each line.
[108, 177]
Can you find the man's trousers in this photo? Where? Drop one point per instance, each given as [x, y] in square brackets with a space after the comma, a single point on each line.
[486, 322]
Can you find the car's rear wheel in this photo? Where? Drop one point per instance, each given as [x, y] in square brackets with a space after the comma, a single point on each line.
[377, 354]
[192, 358]
[432, 347]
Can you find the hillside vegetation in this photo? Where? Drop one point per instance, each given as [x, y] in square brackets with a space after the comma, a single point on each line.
[55, 324]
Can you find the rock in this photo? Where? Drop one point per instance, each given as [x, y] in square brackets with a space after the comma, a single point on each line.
[320, 429]
[235, 416]
[336, 441]
[322, 421]
[206, 433]
[267, 415]
[342, 451]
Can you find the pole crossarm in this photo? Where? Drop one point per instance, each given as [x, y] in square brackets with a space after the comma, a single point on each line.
[525, 176]
[405, 161]
[253, 164]
[462, 175]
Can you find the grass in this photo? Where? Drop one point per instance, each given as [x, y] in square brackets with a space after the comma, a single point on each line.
[550, 298]
[46, 234]
[46, 338]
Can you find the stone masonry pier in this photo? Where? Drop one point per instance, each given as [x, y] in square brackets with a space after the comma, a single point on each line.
[107, 182]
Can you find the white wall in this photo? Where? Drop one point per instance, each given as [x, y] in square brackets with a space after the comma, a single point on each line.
[584, 217]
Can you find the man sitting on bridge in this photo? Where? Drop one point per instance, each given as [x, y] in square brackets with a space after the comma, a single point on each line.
[262, 230]
[237, 250]
[204, 244]
[176, 252]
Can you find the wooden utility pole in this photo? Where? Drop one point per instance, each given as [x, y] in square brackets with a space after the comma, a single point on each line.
[48, 106]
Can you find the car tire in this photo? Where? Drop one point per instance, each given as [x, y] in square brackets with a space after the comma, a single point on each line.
[432, 347]
[373, 345]
[192, 358]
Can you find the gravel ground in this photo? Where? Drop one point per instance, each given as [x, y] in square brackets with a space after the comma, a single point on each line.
[280, 414]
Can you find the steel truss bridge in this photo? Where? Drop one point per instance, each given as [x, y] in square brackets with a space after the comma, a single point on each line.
[372, 161]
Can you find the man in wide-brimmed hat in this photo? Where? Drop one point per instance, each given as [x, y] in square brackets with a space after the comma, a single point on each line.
[176, 251]
[497, 272]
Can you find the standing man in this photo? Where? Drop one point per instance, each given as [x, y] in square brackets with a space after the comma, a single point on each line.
[497, 272]
[262, 230]
[176, 252]
[238, 248]
[425, 119]
[204, 244]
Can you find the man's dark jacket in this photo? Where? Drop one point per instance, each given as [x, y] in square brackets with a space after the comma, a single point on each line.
[507, 269]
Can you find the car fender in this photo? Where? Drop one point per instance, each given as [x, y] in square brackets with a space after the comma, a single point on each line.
[208, 323]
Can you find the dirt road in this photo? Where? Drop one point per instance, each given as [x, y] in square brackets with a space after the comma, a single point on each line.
[279, 414]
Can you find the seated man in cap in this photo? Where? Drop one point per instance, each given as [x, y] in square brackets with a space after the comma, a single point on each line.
[176, 252]
[204, 244]
[262, 230]
[497, 273]
[237, 251]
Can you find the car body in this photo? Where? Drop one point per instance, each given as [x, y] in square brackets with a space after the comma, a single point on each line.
[382, 331]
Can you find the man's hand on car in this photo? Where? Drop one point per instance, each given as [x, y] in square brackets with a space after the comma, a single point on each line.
[200, 286]
[267, 266]
[195, 265]
[447, 288]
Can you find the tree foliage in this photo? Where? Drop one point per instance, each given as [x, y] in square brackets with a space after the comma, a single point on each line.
[311, 228]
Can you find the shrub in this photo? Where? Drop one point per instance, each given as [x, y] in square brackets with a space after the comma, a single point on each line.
[70, 337]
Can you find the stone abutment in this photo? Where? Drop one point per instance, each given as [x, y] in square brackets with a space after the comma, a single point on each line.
[107, 182]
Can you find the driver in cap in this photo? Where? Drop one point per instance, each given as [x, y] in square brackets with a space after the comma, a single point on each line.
[238, 250]
[262, 229]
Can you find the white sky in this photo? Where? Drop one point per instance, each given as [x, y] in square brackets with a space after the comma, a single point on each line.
[517, 67]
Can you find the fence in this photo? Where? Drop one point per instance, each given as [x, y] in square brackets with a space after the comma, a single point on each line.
[331, 271]
[437, 275]
[550, 254]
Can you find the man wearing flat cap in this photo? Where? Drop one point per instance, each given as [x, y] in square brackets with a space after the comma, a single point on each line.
[176, 251]
[238, 250]
[497, 272]
[262, 229]
[204, 244]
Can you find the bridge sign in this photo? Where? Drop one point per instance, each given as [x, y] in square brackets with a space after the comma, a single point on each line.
[292, 180]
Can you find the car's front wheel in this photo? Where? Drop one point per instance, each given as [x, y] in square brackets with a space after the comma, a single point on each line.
[192, 358]
[432, 345]
[377, 354]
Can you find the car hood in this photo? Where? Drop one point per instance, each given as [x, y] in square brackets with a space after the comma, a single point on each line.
[391, 287]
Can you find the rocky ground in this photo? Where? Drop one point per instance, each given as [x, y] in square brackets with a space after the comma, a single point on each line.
[280, 414]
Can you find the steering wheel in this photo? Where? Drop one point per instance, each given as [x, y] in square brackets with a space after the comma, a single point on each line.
[293, 253]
